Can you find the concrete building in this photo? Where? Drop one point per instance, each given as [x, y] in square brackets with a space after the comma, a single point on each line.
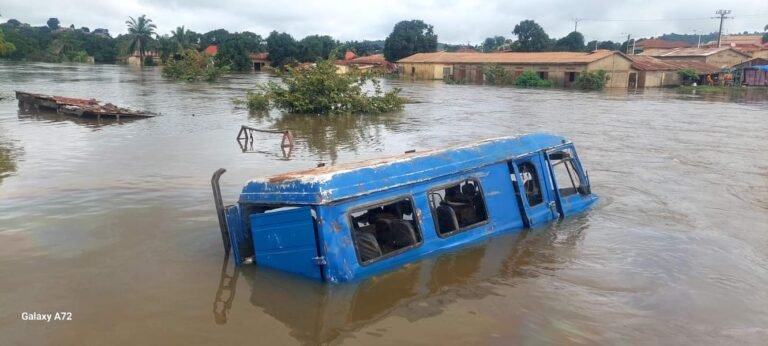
[724, 57]
[562, 68]
[657, 73]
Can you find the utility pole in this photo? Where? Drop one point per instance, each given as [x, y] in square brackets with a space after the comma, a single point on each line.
[576, 24]
[696, 32]
[722, 14]
[628, 36]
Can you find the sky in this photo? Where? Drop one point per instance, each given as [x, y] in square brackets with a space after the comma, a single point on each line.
[454, 21]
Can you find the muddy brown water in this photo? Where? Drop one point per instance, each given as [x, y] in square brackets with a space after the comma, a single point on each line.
[114, 222]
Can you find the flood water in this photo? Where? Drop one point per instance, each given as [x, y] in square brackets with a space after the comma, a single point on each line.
[115, 223]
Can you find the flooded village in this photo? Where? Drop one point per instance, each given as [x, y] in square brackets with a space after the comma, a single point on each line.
[654, 232]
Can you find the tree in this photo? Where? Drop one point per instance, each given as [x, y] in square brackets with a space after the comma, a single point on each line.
[765, 38]
[184, 39]
[609, 45]
[215, 37]
[316, 47]
[53, 23]
[5, 46]
[408, 38]
[573, 42]
[282, 48]
[13, 22]
[531, 36]
[235, 51]
[140, 32]
[493, 43]
[192, 67]
[688, 75]
[531, 79]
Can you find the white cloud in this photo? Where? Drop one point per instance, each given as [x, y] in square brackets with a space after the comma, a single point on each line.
[455, 21]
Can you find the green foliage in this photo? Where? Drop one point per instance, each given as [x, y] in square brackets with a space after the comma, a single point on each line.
[215, 37]
[183, 39]
[497, 75]
[589, 80]
[531, 79]
[6, 47]
[609, 45]
[573, 42]
[363, 48]
[192, 67]
[493, 43]
[53, 23]
[319, 89]
[140, 31]
[531, 37]
[282, 48]
[257, 101]
[408, 38]
[235, 51]
[316, 47]
[765, 38]
[688, 75]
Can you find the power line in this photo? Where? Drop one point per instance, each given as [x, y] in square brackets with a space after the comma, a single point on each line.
[663, 19]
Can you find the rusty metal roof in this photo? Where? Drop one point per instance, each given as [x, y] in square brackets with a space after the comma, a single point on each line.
[649, 63]
[510, 58]
[687, 52]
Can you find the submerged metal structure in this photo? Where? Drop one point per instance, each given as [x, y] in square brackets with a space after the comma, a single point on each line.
[343, 222]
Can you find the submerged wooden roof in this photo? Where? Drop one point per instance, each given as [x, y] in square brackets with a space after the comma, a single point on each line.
[332, 183]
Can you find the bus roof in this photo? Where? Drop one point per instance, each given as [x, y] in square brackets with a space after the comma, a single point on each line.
[327, 184]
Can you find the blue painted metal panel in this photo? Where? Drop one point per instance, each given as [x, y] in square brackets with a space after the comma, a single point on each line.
[236, 235]
[575, 203]
[546, 210]
[327, 184]
[285, 240]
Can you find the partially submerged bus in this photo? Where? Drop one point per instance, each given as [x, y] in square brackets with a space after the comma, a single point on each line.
[343, 222]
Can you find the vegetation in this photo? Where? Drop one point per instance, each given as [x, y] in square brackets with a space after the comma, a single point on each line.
[235, 51]
[688, 76]
[140, 32]
[319, 89]
[53, 23]
[283, 49]
[193, 66]
[531, 37]
[494, 43]
[408, 38]
[5, 46]
[573, 42]
[497, 75]
[531, 79]
[589, 80]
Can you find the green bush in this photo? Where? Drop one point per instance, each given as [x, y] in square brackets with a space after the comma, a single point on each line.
[531, 79]
[192, 67]
[589, 80]
[320, 89]
[688, 76]
[497, 75]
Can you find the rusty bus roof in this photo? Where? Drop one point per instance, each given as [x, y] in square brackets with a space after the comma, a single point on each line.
[327, 184]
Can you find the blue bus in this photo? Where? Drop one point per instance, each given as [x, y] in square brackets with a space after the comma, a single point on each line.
[349, 221]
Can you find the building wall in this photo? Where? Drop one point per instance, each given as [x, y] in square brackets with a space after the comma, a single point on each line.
[659, 79]
[760, 54]
[726, 58]
[423, 70]
[617, 68]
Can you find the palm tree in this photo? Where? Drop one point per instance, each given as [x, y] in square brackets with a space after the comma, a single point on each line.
[183, 38]
[140, 31]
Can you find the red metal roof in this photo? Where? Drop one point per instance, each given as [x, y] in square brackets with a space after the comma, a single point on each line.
[211, 50]
[349, 55]
[263, 56]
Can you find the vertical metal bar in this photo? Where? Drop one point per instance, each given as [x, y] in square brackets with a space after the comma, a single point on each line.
[220, 208]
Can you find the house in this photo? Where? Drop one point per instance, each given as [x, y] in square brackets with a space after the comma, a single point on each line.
[750, 44]
[349, 55]
[657, 73]
[752, 72]
[723, 57]
[562, 68]
[260, 60]
[372, 63]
